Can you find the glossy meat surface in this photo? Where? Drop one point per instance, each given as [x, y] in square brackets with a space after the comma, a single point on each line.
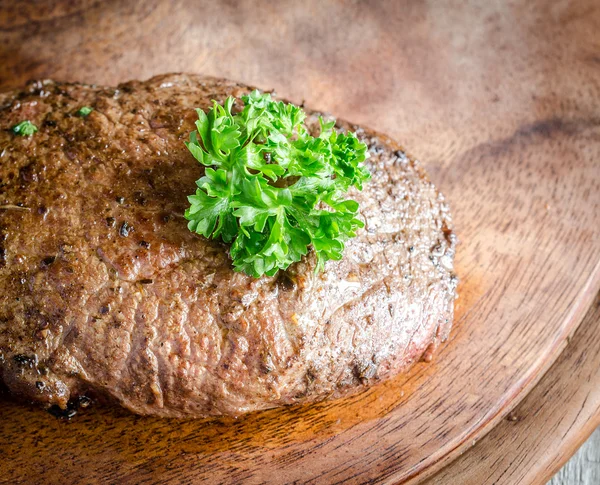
[104, 291]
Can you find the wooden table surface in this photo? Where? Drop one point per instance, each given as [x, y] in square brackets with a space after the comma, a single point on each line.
[501, 102]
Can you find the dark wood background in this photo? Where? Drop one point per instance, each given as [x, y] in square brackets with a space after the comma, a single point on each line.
[501, 102]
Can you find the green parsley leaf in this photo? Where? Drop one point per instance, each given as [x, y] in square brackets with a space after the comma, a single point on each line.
[24, 128]
[84, 111]
[270, 188]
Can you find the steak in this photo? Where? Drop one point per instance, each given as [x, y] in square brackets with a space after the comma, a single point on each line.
[104, 292]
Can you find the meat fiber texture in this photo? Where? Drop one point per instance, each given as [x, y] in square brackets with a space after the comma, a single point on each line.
[104, 292]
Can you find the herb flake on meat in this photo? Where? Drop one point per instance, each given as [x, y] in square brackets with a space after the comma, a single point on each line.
[84, 111]
[24, 128]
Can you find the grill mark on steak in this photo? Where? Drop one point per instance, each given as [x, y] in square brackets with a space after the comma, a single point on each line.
[199, 339]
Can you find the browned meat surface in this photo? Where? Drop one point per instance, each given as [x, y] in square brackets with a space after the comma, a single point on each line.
[104, 291]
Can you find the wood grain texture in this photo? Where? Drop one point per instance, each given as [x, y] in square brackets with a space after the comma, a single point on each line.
[546, 428]
[501, 101]
[584, 466]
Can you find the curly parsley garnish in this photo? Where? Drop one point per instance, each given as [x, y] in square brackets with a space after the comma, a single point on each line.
[270, 188]
[24, 128]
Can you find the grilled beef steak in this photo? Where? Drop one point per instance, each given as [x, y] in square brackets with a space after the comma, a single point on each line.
[104, 290]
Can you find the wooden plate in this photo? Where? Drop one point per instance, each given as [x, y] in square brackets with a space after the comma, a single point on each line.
[538, 437]
[502, 104]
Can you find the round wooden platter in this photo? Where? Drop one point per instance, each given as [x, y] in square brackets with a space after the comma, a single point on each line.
[501, 103]
[546, 428]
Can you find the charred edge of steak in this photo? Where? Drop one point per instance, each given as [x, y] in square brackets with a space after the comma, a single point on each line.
[72, 408]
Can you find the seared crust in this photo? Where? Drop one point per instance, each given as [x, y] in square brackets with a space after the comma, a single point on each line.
[104, 290]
